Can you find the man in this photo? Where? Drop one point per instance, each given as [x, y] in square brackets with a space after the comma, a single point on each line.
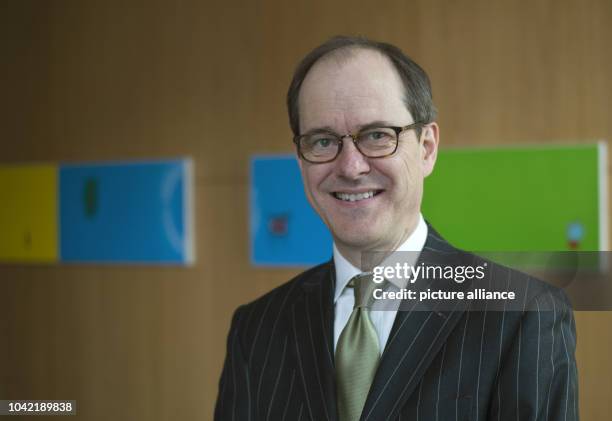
[312, 349]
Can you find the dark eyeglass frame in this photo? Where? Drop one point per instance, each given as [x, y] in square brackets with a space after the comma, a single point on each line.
[354, 136]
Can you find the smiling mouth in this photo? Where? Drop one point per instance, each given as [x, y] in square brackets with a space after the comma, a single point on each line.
[356, 197]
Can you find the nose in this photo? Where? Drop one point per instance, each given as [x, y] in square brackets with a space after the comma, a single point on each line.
[351, 163]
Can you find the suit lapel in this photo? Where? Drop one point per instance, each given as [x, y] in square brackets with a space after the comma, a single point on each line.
[312, 322]
[417, 336]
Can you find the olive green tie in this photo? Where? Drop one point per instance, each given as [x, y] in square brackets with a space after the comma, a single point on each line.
[357, 352]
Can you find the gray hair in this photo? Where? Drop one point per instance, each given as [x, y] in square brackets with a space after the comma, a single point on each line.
[417, 88]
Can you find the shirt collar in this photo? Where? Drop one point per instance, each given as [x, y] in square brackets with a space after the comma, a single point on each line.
[345, 271]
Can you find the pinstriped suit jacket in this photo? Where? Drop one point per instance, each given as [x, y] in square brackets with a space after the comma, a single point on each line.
[437, 365]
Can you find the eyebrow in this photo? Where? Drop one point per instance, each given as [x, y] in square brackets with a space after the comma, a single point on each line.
[328, 129]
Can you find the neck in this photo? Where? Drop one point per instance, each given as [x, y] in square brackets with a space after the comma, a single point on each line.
[367, 257]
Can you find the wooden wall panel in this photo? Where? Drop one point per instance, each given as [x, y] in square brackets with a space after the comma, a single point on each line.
[105, 80]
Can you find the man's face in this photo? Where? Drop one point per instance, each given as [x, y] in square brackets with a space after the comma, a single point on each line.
[344, 94]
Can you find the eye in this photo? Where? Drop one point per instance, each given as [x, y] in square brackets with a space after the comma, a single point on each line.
[376, 135]
[323, 142]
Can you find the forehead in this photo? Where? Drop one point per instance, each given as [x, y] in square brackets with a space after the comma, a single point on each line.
[349, 89]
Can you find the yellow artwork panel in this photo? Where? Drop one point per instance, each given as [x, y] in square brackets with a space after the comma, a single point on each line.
[28, 213]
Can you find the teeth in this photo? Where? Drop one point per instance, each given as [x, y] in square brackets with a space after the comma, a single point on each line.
[354, 197]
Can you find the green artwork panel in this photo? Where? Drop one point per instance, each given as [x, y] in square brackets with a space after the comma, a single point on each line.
[518, 199]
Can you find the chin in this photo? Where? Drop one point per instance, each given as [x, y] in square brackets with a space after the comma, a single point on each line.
[358, 240]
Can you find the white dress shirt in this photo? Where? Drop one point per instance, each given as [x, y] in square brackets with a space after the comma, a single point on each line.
[344, 298]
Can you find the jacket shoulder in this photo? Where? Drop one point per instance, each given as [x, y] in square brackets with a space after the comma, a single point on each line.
[530, 291]
[291, 288]
[267, 314]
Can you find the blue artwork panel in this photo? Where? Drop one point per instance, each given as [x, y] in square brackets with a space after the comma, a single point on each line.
[285, 230]
[137, 212]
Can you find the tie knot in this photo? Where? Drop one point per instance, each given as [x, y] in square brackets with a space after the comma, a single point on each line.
[363, 286]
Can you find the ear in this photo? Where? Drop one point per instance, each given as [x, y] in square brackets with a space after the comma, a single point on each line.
[299, 161]
[429, 147]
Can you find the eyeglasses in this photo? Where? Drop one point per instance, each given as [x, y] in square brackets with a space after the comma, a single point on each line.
[373, 142]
